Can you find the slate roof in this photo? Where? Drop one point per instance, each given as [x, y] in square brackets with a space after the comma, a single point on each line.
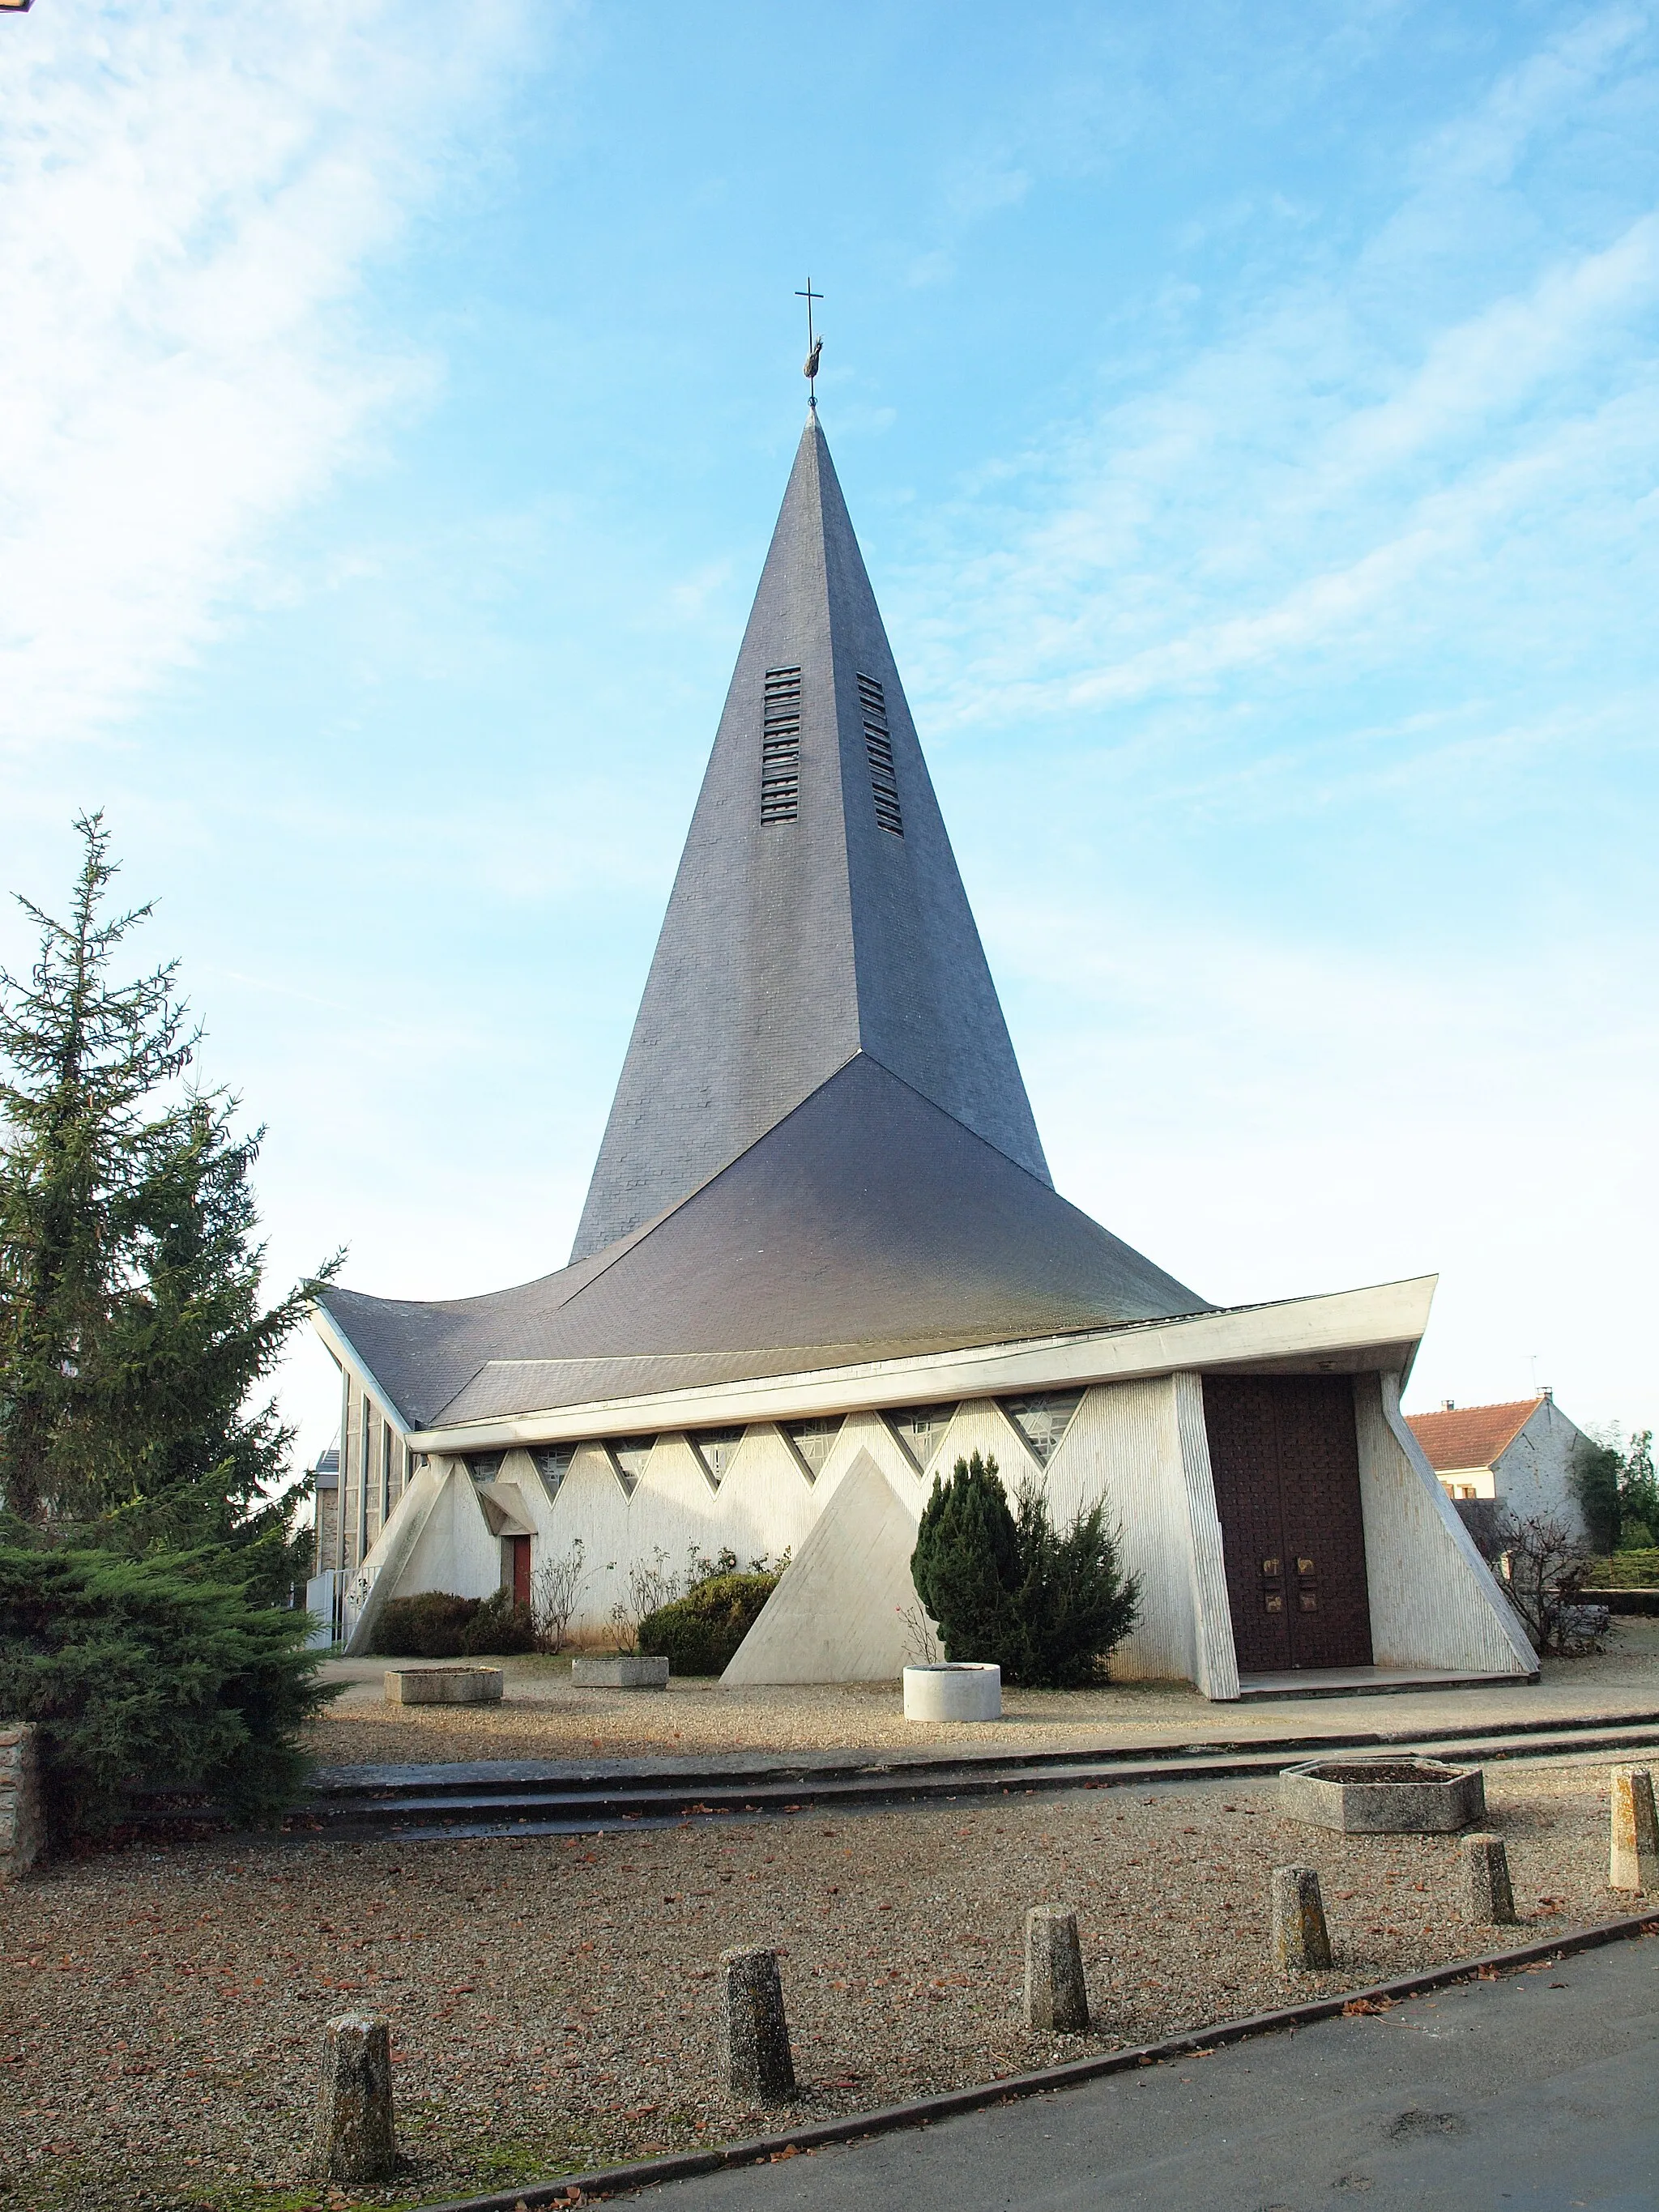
[1471, 1436]
[867, 1225]
[790, 944]
[821, 1152]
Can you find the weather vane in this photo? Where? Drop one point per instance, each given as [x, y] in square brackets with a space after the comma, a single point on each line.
[814, 348]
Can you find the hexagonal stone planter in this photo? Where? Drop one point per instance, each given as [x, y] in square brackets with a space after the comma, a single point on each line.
[443, 1686]
[1383, 1796]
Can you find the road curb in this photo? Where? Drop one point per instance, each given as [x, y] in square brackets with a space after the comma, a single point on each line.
[923, 2112]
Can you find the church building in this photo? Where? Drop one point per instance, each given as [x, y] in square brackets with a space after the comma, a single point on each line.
[821, 1258]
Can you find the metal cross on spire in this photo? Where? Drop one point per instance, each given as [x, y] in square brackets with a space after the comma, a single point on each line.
[814, 347]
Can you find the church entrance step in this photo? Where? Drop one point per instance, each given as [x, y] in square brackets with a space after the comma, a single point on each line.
[481, 1800]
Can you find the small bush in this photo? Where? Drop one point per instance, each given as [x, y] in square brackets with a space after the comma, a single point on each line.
[1543, 1570]
[1074, 1602]
[698, 1633]
[429, 1625]
[153, 1672]
[966, 1565]
[499, 1626]
[1046, 1605]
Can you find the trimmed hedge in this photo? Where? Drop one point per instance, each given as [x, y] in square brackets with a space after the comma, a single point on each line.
[153, 1673]
[439, 1625]
[698, 1633]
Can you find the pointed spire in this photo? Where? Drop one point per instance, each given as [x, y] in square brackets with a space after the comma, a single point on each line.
[817, 912]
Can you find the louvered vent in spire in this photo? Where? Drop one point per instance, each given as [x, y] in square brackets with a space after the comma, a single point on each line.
[780, 746]
[879, 750]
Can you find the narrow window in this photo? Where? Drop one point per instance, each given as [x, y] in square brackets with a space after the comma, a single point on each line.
[780, 745]
[385, 1473]
[362, 1479]
[878, 751]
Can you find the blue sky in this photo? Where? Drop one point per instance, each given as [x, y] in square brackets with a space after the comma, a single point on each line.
[1251, 418]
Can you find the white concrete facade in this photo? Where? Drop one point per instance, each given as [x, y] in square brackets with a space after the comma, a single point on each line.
[1137, 1441]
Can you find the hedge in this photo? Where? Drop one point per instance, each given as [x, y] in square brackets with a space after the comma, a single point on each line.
[439, 1625]
[698, 1633]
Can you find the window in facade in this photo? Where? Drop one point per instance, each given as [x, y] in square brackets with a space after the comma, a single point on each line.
[780, 745]
[812, 1442]
[879, 751]
[714, 1448]
[920, 1430]
[385, 1473]
[629, 1457]
[364, 1463]
[552, 1462]
[484, 1467]
[1044, 1419]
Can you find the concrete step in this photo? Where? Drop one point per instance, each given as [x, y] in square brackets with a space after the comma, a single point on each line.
[587, 1802]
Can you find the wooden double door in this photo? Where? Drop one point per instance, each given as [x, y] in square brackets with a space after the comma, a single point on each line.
[1285, 1458]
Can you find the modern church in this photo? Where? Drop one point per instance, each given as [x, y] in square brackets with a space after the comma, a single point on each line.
[821, 1258]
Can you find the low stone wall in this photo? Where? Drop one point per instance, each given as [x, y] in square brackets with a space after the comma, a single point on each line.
[22, 1818]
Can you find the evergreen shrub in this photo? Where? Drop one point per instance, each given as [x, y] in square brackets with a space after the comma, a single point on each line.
[1047, 1604]
[500, 1627]
[155, 1672]
[698, 1633]
[439, 1625]
[429, 1625]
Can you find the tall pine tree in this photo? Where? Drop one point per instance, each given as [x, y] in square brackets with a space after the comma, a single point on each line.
[132, 1331]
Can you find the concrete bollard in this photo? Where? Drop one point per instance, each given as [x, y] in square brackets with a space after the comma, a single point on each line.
[1301, 1939]
[1635, 1852]
[22, 1812]
[757, 2033]
[1055, 1997]
[1488, 1899]
[356, 2139]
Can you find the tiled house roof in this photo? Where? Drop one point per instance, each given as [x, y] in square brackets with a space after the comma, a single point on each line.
[1470, 1436]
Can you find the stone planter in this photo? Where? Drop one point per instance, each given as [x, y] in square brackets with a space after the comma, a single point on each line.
[1383, 1796]
[961, 1690]
[635, 1674]
[443, 1686]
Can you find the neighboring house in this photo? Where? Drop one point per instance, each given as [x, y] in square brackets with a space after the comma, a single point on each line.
[325, 1485]
[1519, 1454]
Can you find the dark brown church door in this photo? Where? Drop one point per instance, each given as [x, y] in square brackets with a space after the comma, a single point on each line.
[519, 1564]
[1285, 1459]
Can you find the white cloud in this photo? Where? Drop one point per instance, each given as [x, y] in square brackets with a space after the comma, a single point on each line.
[1413, 447]
[192, 193]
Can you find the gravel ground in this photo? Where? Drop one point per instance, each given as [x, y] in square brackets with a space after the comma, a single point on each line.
[554, 2001]
[545, 1716]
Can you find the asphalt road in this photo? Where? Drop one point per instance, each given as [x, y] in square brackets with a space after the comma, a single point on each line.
[1534, 2093]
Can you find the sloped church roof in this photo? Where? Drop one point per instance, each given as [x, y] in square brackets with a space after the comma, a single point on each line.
[820, 1150]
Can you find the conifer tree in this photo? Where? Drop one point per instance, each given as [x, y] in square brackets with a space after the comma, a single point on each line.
[132, 1327]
